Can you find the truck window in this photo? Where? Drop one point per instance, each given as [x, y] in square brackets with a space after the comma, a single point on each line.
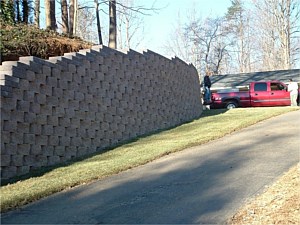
[260, 87]
[276, 87]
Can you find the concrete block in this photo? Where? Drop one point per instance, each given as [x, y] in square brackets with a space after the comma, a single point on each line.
[17, 160]
[70, 152]
[64, 141]
[53, 140]
[62, 84]
[59, 130]
[9, 103]
[5, 160]
[76, 141]
[79, 96]
[40, 79]
[8, 148]
[51, 81]
[22, 170]
[75, 122]
[47, 150]
[23, 127]
[64, 122]
[46, 109]
[56, 72]
[81, 151]
[29, 75]
[8, 172]
[46, 70]
[70, 132]
[41, 119]
[46, 90]
[57, 92]
[28, 95]
[82, 132]
[52, 160]
[9, 125]
[15, 138]
[34, 108]
[42, 160]
[37, 149]
[9, 80]
[23, 149]
[29, 138]
[58, 111]
[59, 150]
[6, 91]
[23, 105]
[83, 106]
[29, 160]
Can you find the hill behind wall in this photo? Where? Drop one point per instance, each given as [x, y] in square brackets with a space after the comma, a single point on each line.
[66, 107]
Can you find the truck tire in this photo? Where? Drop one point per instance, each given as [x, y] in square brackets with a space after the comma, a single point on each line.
[231, 105]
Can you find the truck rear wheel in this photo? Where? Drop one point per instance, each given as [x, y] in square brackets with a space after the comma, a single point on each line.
[231, 105]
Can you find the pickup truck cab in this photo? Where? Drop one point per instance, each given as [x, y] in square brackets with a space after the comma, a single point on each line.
[257, 94]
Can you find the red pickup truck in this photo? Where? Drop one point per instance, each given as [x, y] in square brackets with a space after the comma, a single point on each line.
[262, 93]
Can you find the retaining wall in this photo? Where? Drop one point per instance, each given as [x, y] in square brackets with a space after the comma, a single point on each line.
[66, 107]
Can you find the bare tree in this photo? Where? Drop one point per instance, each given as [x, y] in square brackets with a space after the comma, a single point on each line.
[37, 13]
[64, 16]
[238, 24]
[86, 24]
[25, 11]
[71, 17]
[125, 9]
[130, 25]
[287, 19]
[98, 22]
[209, 35]
[18, 11]
[50, 14]
[278, 22]
[112, 43]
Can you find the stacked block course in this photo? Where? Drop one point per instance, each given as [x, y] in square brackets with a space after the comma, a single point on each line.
[66, 107]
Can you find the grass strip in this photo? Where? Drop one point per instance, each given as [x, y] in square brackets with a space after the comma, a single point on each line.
[211, 125]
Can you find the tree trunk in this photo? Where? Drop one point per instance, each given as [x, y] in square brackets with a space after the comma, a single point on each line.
[288, 36]
[47, 14]
[71, 18]
[50, 14]
[98, 22]
[112, 24]
[37, 13]
[18, 11]
[75, 16]
[25, 11]
[64, 16]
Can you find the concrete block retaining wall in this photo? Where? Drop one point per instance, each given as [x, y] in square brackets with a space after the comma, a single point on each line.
[66, 107]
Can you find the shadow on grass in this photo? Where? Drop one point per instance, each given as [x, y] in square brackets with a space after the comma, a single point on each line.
[41, 171]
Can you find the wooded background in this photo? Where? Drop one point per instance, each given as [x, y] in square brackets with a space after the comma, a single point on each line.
[254, 35]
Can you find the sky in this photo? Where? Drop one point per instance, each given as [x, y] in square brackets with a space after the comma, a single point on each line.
[159, 26]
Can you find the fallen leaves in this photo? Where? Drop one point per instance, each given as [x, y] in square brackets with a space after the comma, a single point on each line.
[279, 204]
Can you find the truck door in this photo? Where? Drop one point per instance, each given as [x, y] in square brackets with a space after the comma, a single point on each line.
[259, 94]
[279, 96]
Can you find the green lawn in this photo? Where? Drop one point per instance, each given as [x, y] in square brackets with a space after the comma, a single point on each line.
[211, 125]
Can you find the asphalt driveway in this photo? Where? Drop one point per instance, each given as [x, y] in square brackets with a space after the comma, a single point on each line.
[204, 184]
